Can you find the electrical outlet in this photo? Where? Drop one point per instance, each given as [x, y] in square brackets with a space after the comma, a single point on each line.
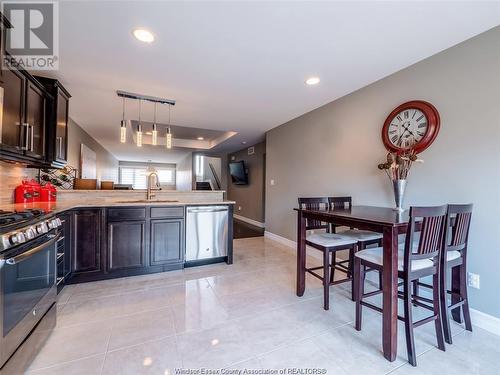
[473, 280]
[272, 182]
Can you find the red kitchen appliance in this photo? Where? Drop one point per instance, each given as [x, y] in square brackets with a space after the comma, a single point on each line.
[27, 192]
[35, 188]
[24, 193]
[48, 193]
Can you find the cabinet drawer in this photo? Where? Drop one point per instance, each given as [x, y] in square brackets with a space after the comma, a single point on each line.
[167, 212]
[127, 213]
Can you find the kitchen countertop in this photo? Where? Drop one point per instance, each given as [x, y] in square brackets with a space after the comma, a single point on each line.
[58, 207]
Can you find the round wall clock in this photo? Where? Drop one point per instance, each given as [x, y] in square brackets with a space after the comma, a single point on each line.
[412, 126]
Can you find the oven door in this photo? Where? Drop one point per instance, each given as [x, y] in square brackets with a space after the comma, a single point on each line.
[27, 290]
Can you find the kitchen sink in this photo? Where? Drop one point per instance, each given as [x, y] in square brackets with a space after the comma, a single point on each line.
[149, 201]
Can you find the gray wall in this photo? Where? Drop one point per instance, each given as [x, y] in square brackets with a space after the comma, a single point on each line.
[107, 164]
[335, 149]
[250, 197]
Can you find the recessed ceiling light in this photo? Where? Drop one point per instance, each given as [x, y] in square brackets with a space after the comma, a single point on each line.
[200, 138]
[244, 142]
[312, 81]
[144, 35]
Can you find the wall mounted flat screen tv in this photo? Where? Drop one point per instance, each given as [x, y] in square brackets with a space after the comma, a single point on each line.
[238, 173]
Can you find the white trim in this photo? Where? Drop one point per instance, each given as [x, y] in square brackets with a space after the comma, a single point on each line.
[292, 244]
[479, 319]
[250, 221]
[485, 321]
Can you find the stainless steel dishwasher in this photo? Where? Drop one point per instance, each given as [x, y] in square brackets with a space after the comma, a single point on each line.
[206, 233]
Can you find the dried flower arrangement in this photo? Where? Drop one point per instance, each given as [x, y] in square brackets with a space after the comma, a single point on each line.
[397, 165]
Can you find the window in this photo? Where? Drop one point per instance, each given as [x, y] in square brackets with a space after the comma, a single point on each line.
[137, 176]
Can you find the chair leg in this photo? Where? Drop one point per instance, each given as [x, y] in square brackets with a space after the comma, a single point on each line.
[326, 279]
[358, 283]
[455, 292]
[437, 311]
[410, 342]
[415, 289]
[332, 270]
[465, 298]
[350, 265]
[380, 280]
[443, 301]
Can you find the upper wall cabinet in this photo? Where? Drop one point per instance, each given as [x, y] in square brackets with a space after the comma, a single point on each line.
[33, 118]
[22, 118]
[57, 122]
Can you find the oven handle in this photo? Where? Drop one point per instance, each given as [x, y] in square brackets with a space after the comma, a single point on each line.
[19, 258]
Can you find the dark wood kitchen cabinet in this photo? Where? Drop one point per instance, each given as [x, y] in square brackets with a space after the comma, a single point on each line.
[167, 241]
[36, 100]
[56, 122]
[64, 250]
[24, 101]
[13, 136]
[126, 245]
[87, 257]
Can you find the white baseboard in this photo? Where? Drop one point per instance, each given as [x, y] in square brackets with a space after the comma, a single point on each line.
[479, 319]
[292, 245]
[250, 221]
[487, 322]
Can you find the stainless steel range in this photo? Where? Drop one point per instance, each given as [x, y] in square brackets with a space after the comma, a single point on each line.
[27, 283]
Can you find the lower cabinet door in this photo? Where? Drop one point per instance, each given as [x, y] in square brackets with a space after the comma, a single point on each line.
[126, 245]
[167, 241]
[86, 248]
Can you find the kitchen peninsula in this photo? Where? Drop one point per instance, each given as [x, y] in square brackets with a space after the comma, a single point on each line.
[109, 234]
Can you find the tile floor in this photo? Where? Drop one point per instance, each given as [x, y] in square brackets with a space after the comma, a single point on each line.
[240, 316]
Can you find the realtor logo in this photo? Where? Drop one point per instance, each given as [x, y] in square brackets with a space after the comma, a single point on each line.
[31, 35]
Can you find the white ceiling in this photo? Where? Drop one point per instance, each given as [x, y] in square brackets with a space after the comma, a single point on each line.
[241, 66]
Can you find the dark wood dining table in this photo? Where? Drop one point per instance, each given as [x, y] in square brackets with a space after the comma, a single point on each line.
[384, 220]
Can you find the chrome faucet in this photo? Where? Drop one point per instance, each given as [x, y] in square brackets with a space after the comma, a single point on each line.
[152, 180]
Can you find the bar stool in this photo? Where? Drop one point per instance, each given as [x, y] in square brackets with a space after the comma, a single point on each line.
[364, 238]
[417, 260]
[328, 243]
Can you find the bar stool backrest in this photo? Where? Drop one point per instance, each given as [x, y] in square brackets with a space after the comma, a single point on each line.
[339, 203]
[318, 203]
[458, 225]
[432, 223]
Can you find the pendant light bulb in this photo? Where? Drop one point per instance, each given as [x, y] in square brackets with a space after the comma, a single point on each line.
[154, 135]
[123, 131]
[139, 135]
[169, 139]
[155, 131]
[123, 126]
[139, 128]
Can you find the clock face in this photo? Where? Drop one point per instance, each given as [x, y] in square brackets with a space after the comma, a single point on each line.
[412, 126]
[407, 128]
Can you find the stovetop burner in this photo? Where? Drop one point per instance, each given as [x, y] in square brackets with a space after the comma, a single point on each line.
[15, 217]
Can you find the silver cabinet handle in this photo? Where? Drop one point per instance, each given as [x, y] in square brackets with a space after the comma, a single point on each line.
[26, 135]
[32, 148]
[207, 210]
[60, 146]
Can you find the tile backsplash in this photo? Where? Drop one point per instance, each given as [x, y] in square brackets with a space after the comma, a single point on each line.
[11, 175]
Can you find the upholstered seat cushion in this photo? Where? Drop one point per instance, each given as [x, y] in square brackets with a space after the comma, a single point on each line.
[375, 255]
[361, 235]
[330, 239]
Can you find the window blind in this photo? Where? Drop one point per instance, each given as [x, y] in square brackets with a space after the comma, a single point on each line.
[137, 176]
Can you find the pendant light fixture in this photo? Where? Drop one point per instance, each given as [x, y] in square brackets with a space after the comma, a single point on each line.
[139, 128]
[155, 130]
[123, 125]
[168, 141]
